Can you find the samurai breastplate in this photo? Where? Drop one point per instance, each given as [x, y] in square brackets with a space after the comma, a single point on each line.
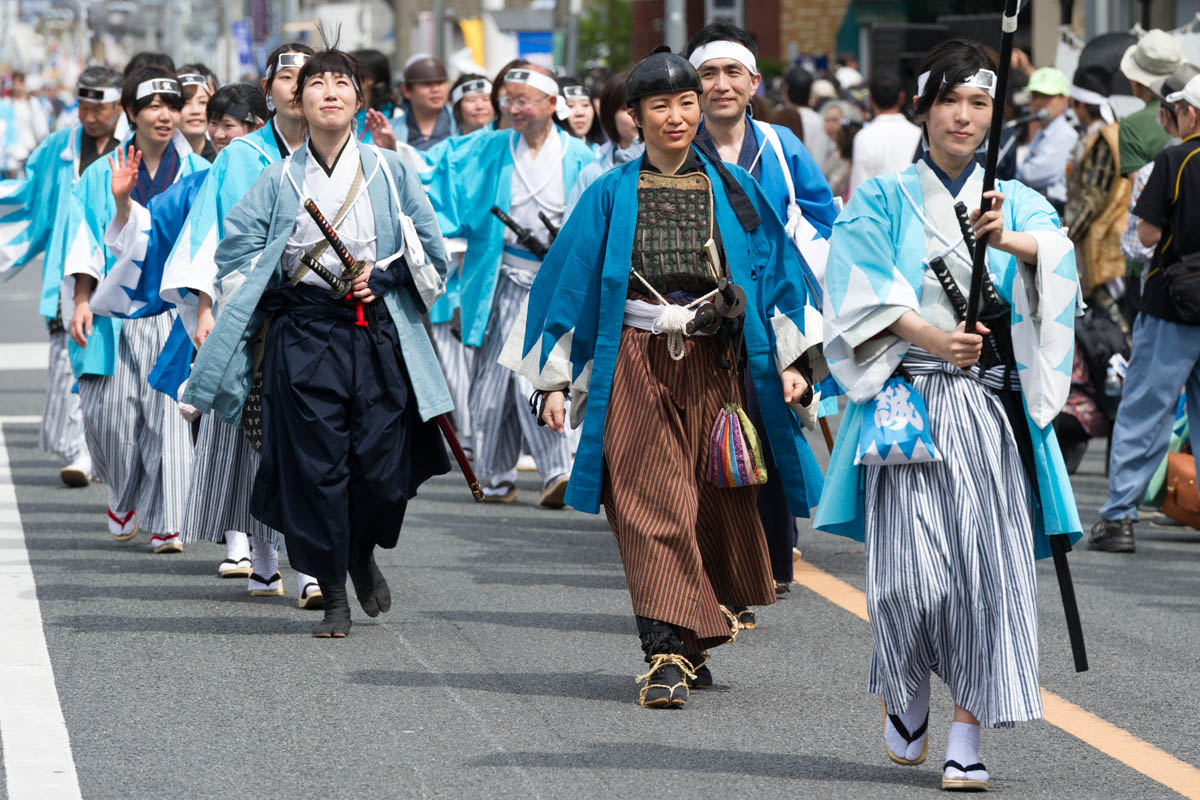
[675, 220]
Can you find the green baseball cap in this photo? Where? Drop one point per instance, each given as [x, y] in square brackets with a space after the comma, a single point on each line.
[1048, 80]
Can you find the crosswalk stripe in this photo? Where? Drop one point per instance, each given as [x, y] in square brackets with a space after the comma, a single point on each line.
[1157, 765]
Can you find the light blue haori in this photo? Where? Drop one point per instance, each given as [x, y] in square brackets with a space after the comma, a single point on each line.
[876, 272]
[249, 263]
[466, 177]
[572, 328]
[92, 209]
[34, 211]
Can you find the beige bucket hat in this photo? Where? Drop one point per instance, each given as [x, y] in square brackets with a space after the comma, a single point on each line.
[1152, 60]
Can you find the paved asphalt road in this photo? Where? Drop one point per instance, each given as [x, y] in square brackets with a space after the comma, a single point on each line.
[505, 668]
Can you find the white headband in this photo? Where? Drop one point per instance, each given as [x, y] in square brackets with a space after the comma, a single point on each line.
[725, 49]
[470, 87]
[156, 86]
[983, 79]
[100, 94]
[543, 83]
[1090, 98]
[290, 60]
[192, 79]
[576, 93]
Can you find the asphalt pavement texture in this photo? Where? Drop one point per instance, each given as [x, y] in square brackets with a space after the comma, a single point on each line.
[506, 665]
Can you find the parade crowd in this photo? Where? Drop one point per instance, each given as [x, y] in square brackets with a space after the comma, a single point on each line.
[277, 308]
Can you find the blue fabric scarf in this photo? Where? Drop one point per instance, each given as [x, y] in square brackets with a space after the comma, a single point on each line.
[147, 186]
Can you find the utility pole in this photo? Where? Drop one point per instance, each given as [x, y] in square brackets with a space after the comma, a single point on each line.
[675, 25]
[562, 26]
[439, 29]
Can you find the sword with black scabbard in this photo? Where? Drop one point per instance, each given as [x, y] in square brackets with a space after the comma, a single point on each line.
[340, 287]
[982, 287]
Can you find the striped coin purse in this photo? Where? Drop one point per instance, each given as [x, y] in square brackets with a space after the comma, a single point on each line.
[734, 452]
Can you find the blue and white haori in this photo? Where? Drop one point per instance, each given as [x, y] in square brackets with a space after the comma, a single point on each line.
[191, 264]
[250, 258]
[88, 252]
[572, 328]
[877, 272]
[466, 177]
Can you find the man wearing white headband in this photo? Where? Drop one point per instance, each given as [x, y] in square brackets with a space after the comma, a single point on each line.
[38, 208]
[527, 172]
[140, 445]
[724, 56]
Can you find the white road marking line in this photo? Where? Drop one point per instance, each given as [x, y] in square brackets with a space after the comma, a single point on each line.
[37, 748]
[21, 419]
[24, 355]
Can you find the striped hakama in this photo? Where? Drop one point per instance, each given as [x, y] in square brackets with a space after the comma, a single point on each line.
[141, 447]
[951, 585]
[500, 416]
[222, 479]
[62, 422]
[686, 545]
[457, 362]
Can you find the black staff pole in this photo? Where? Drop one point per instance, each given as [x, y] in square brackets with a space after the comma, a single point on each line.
[1059, 545]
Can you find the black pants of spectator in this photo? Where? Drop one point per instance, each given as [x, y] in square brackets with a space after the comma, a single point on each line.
[778, 523]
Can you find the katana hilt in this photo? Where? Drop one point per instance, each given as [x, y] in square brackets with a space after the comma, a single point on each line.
[964, 224]
[335, 243]
[338, 287]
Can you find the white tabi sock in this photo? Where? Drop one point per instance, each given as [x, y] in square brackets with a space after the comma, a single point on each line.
[493, 487]
[264, 560]
[913, 718]
[963, 747]
[237, 546]
[303, 580]
[83, 463]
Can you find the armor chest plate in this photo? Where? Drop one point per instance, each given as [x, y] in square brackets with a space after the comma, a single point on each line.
[675, 220]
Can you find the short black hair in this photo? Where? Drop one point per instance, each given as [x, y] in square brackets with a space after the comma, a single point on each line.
[949, 64]
[376, 66]
[148, 59]
[798, 83]
[721, 31]
[885, 91]
[612, 100]
[273, 59]
[235, 99]
[129, 99]
[336, 61]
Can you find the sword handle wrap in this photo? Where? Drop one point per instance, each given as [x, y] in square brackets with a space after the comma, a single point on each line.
[330, 234]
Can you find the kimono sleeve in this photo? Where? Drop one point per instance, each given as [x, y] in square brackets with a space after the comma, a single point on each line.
[442, 187]
[865, 293]
[423, 245]
[27, 213]
[554, 339]
[795, 321]
[813, 194]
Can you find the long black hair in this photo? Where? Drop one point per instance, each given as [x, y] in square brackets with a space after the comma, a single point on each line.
[376, 66]
[242, 101]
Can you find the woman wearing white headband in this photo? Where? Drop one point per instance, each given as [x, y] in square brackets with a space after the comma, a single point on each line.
[138, 441]
[197, 87]
[471, 102]
[348, 379]
[956, 496]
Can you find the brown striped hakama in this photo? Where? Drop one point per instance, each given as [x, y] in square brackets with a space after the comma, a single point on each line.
[685, 544]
